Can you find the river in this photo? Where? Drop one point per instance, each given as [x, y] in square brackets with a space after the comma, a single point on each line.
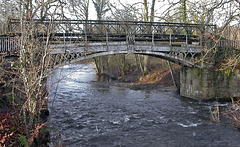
[85, 111]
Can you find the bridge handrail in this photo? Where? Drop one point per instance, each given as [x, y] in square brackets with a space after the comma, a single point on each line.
[72, 21]
[86, 24]
[103, 30]
[226, 43]
[9, 43]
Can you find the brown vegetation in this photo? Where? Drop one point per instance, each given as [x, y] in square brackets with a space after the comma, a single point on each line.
[233, 113]
[13, 132]
[158, 74]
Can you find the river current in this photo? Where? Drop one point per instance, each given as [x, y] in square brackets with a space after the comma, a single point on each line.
[85, 111]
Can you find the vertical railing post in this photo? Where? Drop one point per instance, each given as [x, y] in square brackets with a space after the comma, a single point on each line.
[64, 35]
[1, 44]
[127, 36]
[186, 39]
[85, 37]
[201, 40]
[107, 40]
[153, 39]
[70, 32]
[170, 39]
[10, 45]
[5, 44]
[7, 48]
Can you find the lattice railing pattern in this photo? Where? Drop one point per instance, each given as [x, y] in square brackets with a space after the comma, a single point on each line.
[93, 30]
[72, 31]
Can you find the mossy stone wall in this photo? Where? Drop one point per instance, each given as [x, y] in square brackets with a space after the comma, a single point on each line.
[204, 84]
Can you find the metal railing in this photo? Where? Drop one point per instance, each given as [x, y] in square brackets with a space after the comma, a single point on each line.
[94, 30]
[72, 31]
[9, 44]
[224, 43]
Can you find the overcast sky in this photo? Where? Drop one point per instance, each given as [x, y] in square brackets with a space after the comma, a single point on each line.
[93, 12]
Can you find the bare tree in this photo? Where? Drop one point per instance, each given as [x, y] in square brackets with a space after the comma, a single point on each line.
[152, 11]
[101, 7]
[146, 11]
[80, 8]
[146, 19]
[127, 12]
[32, 68]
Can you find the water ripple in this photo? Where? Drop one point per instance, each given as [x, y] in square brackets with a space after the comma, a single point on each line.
[87, 112]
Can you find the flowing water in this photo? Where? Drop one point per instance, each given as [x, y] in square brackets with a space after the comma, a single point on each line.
[88, 112]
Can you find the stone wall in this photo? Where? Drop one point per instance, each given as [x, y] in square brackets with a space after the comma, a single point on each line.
[204, 84]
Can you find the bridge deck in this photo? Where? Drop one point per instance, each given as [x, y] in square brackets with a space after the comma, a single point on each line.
[123, 46]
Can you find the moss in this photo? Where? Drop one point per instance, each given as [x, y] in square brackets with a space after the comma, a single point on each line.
[23, 140]
[228, 73]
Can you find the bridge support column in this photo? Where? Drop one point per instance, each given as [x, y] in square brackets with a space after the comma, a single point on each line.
[204, 84]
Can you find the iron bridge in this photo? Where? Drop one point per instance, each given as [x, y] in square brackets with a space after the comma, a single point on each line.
[74, 40]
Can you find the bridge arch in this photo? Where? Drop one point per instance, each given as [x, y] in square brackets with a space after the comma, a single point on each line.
[172, 58]
[68, 54]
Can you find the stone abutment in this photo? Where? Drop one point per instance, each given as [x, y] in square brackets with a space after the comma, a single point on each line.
[204, 84]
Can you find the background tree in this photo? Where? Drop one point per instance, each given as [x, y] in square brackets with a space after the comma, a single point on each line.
[101, 8]
[125, 12]
[80, 9]
[152, 16]
[9, 9]
[146, 19]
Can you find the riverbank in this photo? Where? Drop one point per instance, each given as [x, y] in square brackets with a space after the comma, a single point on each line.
[14, 132]
[154, 80]
[15, 129]
[158, 75]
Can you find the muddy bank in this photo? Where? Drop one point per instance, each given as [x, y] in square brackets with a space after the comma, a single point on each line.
[156, 79]
[131, 76]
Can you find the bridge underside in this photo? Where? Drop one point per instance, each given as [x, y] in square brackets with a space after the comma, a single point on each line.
[182, 54]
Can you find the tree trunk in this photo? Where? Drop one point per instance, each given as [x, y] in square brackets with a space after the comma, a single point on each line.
[184, 11]
[97, 63]
[139, 63]
[145, 64]
[100, 5]
[145, 10]
[87, 10]
[123, 64]
[152, 11]
[29, 9]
